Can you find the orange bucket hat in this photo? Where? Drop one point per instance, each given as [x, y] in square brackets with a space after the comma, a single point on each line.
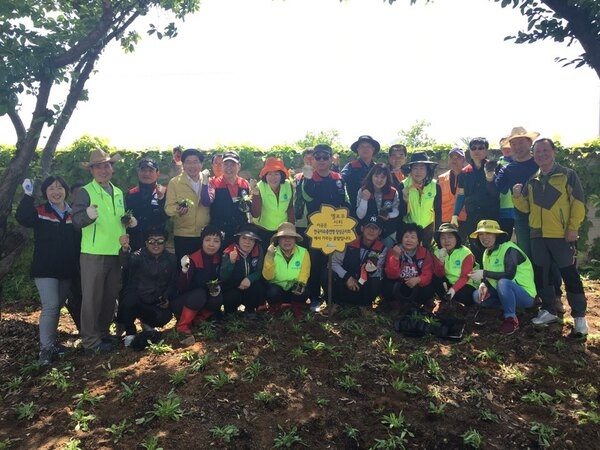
[274, 165]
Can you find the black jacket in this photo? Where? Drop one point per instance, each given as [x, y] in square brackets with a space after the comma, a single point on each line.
[150, 278]
[149, 211]
[56, 242]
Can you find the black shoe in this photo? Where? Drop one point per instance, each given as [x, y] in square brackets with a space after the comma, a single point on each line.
[102, 347]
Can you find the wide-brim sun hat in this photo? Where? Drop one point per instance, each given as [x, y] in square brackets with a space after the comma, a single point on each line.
[447, 228]
[518, 132]
[99, 156]
[273, 165]
[418, 158]
[286, 229]
[487, 226]
[248, 230]
[365, 138]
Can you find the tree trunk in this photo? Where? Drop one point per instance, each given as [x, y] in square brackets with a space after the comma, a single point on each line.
[17, 167]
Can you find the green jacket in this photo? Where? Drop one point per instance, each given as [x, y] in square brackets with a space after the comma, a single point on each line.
[101, 237]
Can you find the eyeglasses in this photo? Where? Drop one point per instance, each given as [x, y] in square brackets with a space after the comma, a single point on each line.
[477, 148]
[321, 158]
[155, 241]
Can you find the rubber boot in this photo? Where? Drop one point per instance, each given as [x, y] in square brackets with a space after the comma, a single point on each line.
[202, 316]
[187, 316]
[275, 308]
[297, 309]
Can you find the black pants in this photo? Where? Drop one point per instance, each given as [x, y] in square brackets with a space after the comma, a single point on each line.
[464, 295]
[395, 290]
[276, 295]
[318, 274]
[365, 296]
[251, 298]
[196, 299]
[132, 308]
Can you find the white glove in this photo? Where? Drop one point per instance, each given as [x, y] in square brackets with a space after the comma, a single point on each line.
[205, 176]
[185, 263]
[132, 222]
[517, 190]
[307, 172]
[442, 253]
[92, 211]
[271, 251]
[370, 267]
[450, 293]
[476, 275]
[454, 221]
[27, 187]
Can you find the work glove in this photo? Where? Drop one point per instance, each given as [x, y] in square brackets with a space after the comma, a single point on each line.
[517, 190]
[271, 251]
[92, 211]
[450, 293]
[132, 222]
[442, 255]
[476, 275]
[185, 264]
[205, 176]
[307, 172]
[27, 186]
[454, 221]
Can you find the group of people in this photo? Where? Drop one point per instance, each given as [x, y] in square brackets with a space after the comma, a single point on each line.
[242, 245]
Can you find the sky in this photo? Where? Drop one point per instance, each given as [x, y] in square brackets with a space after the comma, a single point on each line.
[266, 72]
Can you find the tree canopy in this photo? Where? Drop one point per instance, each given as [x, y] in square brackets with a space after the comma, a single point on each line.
[45, 43]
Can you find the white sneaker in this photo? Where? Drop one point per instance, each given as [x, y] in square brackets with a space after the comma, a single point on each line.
[544, 318]
[581, 326]
[128, 339]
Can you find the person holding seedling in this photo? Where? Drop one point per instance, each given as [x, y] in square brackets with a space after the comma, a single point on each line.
[99, 212]
[152, 273]
[452, 264]
[199, 285]
[286, 269]
[183, 204]
[507, 275]
[55, 255]
[359, 268]
[409, 271]
[241, 272]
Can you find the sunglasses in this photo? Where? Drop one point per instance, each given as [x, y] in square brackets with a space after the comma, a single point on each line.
[477, 148]
[321, 158]
[155, 241]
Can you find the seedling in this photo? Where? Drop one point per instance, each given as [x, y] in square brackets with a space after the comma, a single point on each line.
[287, 439]
[252, 372]
[168, 407]
[73, 444]
[218, 381]
[26, 410]
[394, 441]
[287, 316]
[301, 372]
[437, 409]
[118, 431]
[418, 357]
[160, 348]
[356, 329]
[352, 368]
[544, 434]
[126, 218]
[472, 438]
[58, 378]
[394, 421]
[489, 416]
[13, 386]
[265, 397]
[404, 386]
[178, 377]
[30, 368]
[298, 352]
[537, 398]
[207, 330]
[489, 355]
[399, 366]
[434, 391]
[351, 432]
[513, 373]
[434, 369]
[200, 363]
[391, 348]
[322, 402]
[185, 203]
[225, 433]
[82, 419]
[347, 382]
[128, 391]
[86, 397]
[151, 443]
[235, 325]
[111, 373]
[587, 417]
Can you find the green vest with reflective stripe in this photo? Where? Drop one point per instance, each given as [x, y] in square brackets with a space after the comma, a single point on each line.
[287, 273]
[274, 210]
[506, 200]
[494, 262]
[420, 206]
[102, 236]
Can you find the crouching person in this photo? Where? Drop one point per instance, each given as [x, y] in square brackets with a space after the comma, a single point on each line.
[200, 292]
[507, 275]
[150, 284]
[241, 272]
[359, 268]
[286, 269]
[409, 271]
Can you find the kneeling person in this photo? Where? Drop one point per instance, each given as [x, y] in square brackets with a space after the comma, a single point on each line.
[358, 269]
[150, 284]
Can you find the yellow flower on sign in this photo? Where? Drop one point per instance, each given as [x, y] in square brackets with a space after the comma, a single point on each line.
[331, 229]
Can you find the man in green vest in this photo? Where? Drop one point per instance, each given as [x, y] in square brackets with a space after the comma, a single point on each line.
[99, 211]
[507, 275]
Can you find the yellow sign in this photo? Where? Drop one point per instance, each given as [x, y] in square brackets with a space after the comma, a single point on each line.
[331, 229]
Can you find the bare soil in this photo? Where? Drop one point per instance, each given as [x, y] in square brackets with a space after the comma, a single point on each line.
[339, 382]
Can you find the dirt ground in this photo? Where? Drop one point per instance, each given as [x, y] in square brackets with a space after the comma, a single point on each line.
[339, 382]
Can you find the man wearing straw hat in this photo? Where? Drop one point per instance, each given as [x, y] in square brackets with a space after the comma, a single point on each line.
[99, 211]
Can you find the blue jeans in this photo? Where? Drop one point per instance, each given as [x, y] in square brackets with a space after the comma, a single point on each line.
[53, 293]
[509, 295]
